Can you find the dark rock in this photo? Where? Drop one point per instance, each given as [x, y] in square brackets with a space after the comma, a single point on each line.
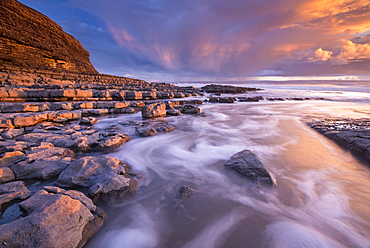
[351, 134]
[185, 193]
[251, 99]
[228, 89]
[188, 109]
[247, 164]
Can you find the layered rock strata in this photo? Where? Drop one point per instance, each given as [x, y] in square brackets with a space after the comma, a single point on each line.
[29, 39]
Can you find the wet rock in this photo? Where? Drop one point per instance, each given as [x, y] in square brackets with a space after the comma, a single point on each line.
[10, 157]
[12, 191]
[188, 109]
[112, 142]
[185, 193]
[45, 163]
[226, 89]
[6, 175]
[251, 99]
[88, 121]
[94, 112]
[173, 112]
[154, 110]
[50, 220]
[247, 164]
[146, 129]
[352, 134]
[222, 99]
[106, 177]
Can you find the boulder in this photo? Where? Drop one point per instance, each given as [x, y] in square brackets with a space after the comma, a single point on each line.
[146, 129]
[222, 99]
[112, 142]
[50, 220]
[154, 110]
[188, 109]
[174, 112]
[44, 163]
[6, 175]
[247, 164]
[106, 177]
[89, 121]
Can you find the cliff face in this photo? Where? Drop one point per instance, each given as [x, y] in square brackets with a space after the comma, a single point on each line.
[30, 40]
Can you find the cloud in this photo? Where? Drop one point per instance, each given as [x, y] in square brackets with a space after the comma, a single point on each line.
[233, 38]
[321, 55]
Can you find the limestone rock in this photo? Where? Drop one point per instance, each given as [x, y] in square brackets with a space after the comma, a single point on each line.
[6, 175]
[51, 220]
[12, 191]
[106, 177]
[174, 112]
[36, 42]
[112, 142]
[247, 164]
[88, 121]
[154, 110]
[10, 157]
[188, 109]
[146, 129]
[43, 164]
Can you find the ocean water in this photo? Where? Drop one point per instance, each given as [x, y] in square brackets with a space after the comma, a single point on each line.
[322, 192]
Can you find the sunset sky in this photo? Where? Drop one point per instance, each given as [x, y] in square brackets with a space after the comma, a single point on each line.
[196, 40]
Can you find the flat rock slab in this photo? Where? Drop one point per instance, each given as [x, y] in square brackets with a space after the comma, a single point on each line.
[106, 177]
[247, 164]
[50, 219]
[351, 134]
[146, 129]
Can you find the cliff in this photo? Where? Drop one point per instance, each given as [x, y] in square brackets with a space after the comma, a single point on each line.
[32, 41]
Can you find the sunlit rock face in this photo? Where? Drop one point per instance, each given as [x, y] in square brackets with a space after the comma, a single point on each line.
[30, 40]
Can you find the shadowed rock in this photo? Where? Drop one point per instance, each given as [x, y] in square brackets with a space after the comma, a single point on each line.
[247, 164]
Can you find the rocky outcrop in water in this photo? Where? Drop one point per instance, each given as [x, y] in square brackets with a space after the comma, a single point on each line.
[226, 89]
[29, 39]
[247, 164]
[351, 134]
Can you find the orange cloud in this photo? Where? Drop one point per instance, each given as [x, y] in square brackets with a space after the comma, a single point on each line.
[321, 55]
[354, 51]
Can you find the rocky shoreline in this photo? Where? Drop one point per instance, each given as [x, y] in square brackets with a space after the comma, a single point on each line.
[351, 134]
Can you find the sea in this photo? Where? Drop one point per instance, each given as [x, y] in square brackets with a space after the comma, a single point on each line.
[322, 193]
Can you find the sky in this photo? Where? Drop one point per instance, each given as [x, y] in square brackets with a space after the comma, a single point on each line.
[217, 40]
